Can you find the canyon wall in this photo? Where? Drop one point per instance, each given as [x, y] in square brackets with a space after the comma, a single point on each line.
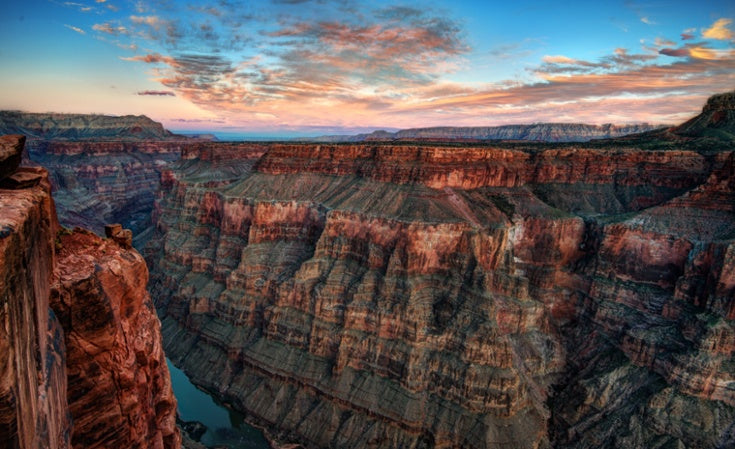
[103, 169]
[437, 296]
[105, 181]
[114, 356]
[82, 364]
[33, 407]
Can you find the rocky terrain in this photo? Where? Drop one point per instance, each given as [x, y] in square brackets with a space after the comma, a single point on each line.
[105, 182]
[82, 362]
[542, 132]
[103, 169]
[74, 127]
[419, 295]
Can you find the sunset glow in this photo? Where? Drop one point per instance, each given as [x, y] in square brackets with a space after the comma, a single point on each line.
[309, 67]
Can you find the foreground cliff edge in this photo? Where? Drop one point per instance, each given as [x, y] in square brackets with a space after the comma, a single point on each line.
[82, 364]
[510, 295]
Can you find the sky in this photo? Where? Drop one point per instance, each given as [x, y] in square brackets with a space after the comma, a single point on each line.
[312, 67]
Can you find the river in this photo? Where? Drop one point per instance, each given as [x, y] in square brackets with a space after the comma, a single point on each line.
[225, 427]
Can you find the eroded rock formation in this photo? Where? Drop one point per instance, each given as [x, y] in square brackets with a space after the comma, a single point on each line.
[86, 370]
[429, 296]
[114, 350]
[104, 169]
[105, 182]
[33, 407]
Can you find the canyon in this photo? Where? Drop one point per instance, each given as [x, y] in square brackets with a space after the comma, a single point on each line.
[408, 294]
[83, 364]
[412, 292]
[104, 169]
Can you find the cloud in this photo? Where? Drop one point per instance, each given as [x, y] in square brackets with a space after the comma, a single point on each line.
[344, 64]
[647, 21]
[152, 58]
[677, 52]
[152, 21]
[663, 42]
[109, 28]
[687, 36]
[79, 6]
[158, 93]
[77, 29]
[719, 30]
[559, 59]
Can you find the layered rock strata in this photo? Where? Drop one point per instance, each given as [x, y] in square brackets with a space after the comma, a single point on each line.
[114, 349]
[33, 407]
[105, 182]
[68, 369]
[428, 296]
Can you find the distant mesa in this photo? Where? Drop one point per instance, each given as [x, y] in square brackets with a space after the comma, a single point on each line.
[717, 119]
[541, 132]
[75, 127]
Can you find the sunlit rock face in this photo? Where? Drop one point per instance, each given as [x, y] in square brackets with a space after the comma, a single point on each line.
[435, 296]
[33, 409]
[119, 386]
[81, 363]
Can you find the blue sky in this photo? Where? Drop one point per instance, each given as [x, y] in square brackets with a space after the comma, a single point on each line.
[323, 66]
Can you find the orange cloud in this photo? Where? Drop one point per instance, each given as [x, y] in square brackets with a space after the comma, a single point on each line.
[719, 30]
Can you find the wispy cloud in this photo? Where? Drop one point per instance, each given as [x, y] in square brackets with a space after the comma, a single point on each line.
[109, 28]
[79, 6]
[152, 21]
[77, 29]
[157, 93]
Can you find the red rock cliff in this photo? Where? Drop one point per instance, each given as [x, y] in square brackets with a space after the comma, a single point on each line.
[114, 352]
[33, 407]
[49, 384]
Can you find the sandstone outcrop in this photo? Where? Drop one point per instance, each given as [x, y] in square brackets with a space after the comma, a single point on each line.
[435, 296]
[33, 408]
[11, 150]
[68, 369]
[114, 349]
[716, 120]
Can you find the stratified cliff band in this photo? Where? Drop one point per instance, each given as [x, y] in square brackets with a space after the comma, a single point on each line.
[514, 296]
[86, 368]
